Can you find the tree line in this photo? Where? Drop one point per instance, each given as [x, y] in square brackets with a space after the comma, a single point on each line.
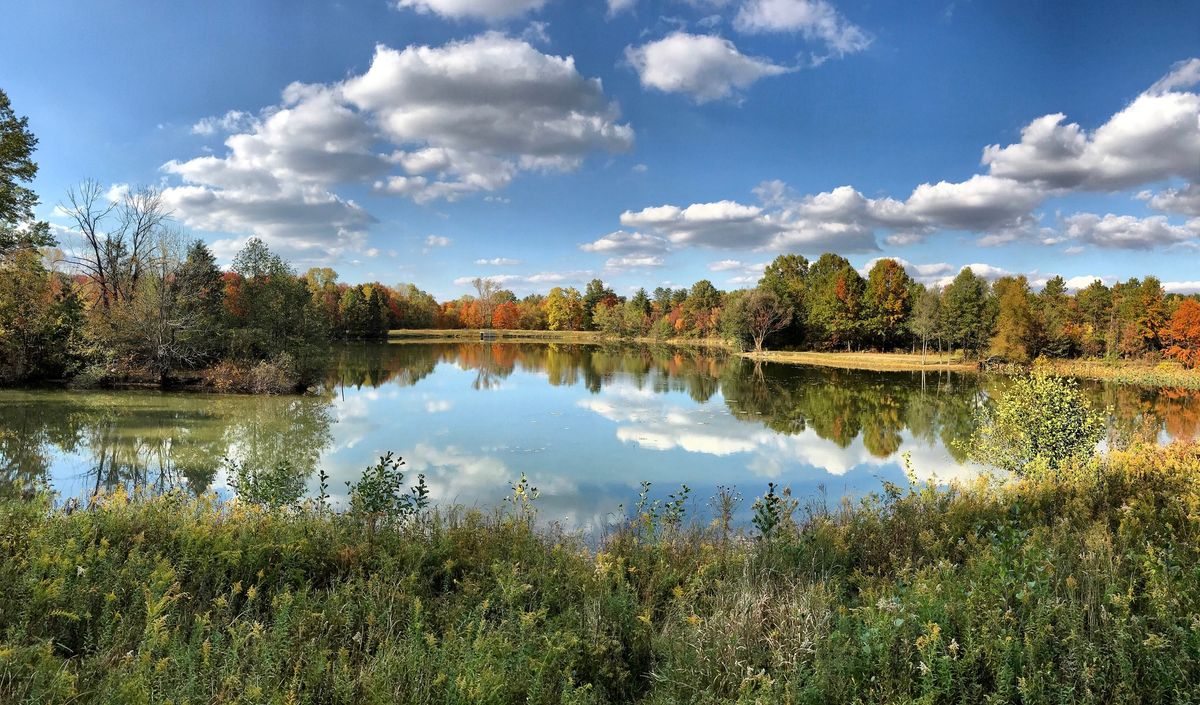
[828, 305]
[138, 302]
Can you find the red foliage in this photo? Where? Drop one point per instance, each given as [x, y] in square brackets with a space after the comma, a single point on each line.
[1183, 332]
[507, 316]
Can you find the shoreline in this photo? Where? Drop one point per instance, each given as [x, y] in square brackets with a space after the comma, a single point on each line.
[1131, 372]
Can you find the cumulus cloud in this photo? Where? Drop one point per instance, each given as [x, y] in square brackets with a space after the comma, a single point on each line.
[739, 273]
[436, 241]
[705, 67]
[1155, 137]
[622, 242]
[814, 19]
[1185, 200]
[1126, 231]
[490, 10]
[1185, 288]
[422, 122]
[499, 262]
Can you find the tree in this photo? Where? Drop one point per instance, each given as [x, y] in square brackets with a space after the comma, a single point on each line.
[758, 314]
[486, 291]
[1039, 424]
[787, 277]
[1183, 334]
[966, 313]
[156, 324]
[835, 301]
[198, 286]
[1014, 320]
[595, 294]
[17, 201]
[926, 317]
[564, 309]
[1093, 314]
[507, 316]
[115, 253]
[1051, 321]
[887, 302]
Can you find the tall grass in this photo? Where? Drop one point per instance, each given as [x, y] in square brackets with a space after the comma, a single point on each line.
[1083, 588]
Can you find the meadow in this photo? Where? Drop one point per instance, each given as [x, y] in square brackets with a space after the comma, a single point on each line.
[1077, 586]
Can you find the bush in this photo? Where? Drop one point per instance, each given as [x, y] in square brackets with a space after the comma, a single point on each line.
[1039, 424]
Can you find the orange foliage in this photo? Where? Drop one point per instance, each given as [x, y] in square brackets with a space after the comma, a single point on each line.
[1183, 332]
[507, 316]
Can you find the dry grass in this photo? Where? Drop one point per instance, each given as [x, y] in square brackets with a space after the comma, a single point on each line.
[1140, 372]
[897, 362]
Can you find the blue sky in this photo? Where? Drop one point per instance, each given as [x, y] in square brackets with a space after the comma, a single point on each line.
[544, 142]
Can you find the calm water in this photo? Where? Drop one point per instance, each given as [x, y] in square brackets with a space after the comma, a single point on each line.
[586, 423]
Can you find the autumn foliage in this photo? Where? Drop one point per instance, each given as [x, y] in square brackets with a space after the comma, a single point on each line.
[1183, 334]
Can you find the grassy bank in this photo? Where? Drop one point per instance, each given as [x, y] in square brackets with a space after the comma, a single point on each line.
[1148, 374]
[868, 360]
[1078, 590]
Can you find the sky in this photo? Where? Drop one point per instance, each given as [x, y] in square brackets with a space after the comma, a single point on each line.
[646, 142]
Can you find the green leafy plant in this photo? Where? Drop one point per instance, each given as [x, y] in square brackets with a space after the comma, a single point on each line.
[380, 495]
[1039, 424]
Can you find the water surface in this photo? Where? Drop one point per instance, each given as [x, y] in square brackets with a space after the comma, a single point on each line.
[587, 424]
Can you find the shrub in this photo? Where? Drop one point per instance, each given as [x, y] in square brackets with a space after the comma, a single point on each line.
[1040, 423]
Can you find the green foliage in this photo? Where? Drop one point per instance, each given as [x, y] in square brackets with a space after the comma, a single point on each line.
[380, 493]
[1080, 587]
[1041, 424]
[273, 486]
[967, 313]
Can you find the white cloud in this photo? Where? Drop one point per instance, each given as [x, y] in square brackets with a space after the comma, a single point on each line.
[634, 262]
[434, 241]
[616, 7]
[481, 111]
[705, 67]
[815, 19]
[1185, 200]
[534, 282]
[232, 121]
[1126, 231]
[1156, 137]
[465, 117]
[622, 242]
[1187, 287]
[490, 10]
[499, 262]
[739, 273]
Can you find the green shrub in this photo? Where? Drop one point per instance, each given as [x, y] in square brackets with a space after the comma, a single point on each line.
[1040, 424]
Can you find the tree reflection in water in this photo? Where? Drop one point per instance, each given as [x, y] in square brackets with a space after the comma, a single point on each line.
[153, 441]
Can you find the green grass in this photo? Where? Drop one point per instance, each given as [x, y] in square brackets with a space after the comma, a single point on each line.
[1082, 589]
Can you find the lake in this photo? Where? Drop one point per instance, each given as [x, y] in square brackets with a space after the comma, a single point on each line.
[587, 424]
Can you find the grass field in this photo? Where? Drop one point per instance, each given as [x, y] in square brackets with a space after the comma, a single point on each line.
[868, 360]
[1079, 588]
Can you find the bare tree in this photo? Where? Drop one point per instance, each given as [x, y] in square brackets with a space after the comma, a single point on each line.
[486, 289]
[88, 206]
[119, 236]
